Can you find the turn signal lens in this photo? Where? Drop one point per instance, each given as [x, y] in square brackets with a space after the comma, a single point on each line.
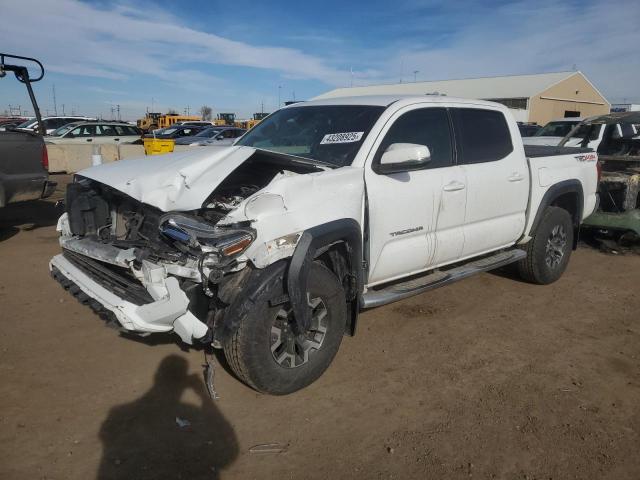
[238, 245]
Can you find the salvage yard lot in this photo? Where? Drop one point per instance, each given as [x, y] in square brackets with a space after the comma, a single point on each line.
[488, 378]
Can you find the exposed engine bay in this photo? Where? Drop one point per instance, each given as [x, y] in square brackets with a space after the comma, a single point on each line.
[120, 241]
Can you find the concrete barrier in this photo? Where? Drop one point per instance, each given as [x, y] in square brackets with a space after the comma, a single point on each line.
[73, 158]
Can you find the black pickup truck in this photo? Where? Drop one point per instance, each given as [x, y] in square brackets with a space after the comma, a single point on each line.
[23, 168]
[24, 162]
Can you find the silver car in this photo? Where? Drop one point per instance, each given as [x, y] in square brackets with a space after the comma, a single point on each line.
[214, 136]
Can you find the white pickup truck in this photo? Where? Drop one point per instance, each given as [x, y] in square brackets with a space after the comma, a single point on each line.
[270, 248]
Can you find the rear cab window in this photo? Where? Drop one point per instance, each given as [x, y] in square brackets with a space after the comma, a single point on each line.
[481, 135]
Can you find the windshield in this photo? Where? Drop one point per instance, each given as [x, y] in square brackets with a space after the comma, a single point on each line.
[208, 133]
[62, 130]
[26, 124]
[586, 130]
[555, 129]
[166, 131]
[329, 134]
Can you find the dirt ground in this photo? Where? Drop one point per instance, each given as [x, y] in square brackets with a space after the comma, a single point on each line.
[488, 378]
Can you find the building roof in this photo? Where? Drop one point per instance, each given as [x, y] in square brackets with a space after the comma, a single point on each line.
[386, 100]
[513, 86]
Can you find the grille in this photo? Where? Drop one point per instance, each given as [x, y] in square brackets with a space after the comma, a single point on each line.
[117, 280]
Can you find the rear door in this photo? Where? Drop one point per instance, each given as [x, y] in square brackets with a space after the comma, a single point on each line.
[497, 177]
[414, 223]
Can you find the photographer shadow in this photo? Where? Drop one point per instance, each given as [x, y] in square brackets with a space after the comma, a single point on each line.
[158, 436]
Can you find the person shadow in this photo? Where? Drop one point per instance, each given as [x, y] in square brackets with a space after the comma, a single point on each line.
[158, 436]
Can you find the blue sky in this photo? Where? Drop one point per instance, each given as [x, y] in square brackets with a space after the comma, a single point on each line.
[233, 56]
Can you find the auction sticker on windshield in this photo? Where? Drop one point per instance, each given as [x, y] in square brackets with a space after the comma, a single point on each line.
[347, 137]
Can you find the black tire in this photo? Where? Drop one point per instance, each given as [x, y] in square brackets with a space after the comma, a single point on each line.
[249, 349]
[549, 250]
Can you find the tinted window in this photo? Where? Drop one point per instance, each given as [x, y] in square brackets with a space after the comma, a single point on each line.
[132, 131]
[482, 135]
[426, 126]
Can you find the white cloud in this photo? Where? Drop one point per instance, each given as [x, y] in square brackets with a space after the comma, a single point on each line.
[76, 38]
[601, 39]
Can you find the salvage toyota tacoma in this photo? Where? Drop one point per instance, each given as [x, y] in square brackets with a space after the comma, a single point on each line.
[270, 248]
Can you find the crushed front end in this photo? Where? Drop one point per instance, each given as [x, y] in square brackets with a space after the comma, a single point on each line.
[149, 270]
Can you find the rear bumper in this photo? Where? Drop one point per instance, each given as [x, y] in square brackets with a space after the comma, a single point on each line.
[168, 313]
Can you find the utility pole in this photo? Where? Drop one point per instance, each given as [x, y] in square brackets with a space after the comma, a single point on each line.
[262, 106]
[63, 109]
[118, 108]
[415, 72]
[55, 106]
[112, 113]
[279, 88]
[351, 68]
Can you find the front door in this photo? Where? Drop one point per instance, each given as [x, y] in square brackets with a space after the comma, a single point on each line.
[415, 217]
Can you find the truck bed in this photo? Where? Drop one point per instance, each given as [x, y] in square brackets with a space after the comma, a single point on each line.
[533, 151]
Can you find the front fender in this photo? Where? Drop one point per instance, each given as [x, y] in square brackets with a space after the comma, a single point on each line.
[312, 240]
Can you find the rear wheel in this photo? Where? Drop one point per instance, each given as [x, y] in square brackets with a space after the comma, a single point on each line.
[549, 250]
[270, 354]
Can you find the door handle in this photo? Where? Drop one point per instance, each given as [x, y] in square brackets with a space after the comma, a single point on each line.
[453, 186]
[117, 139]
[89, 139]
[515, 177]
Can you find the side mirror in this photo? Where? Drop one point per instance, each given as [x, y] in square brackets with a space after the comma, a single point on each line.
[403, 157]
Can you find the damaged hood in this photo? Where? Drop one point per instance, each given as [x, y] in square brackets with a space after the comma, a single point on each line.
[175, 181]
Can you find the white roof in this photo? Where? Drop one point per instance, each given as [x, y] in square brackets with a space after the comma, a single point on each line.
[513, 86]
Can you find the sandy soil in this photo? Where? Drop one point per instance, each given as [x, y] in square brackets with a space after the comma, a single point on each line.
[488, 378]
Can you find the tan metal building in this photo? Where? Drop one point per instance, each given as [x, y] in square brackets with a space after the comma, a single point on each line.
[535, 98]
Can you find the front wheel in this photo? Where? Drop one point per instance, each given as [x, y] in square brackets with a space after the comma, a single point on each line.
[267, 351]
[549, 250]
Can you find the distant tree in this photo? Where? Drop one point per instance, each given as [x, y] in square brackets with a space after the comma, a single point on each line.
[206, 111]
[172, 111]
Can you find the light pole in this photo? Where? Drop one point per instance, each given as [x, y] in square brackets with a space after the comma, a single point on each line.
[279, 88]
[415, 72]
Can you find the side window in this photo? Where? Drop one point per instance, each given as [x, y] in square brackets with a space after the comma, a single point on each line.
[132, 131]
[75, 132]
[228, 133]
[426, 126]
[108, 130]
[120, 130]
[482, 135]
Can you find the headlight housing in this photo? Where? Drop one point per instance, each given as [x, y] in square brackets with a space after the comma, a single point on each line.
[197, 234]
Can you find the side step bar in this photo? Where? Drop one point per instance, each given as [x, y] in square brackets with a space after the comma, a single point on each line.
[398, 291]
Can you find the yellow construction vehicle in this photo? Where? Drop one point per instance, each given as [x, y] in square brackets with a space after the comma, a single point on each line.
[152, 121]
[249, 124]
[225, 119]
[149, 122]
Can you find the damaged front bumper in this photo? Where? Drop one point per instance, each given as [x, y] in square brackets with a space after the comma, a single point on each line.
[165, 310]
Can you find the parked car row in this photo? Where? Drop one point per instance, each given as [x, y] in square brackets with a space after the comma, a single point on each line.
[95, 132]
[197, 135]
